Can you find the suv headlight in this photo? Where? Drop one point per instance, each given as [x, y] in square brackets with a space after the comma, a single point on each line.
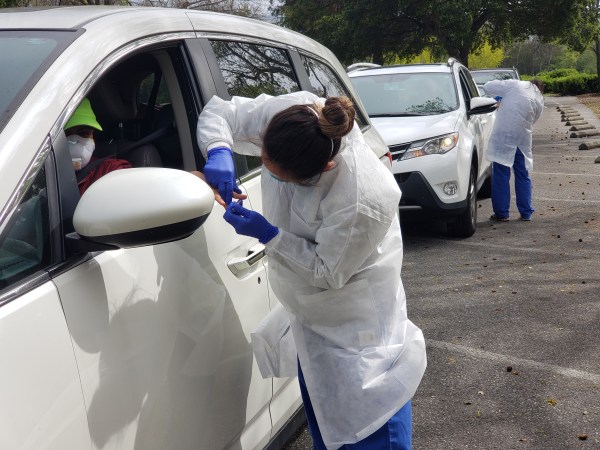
[436, 146]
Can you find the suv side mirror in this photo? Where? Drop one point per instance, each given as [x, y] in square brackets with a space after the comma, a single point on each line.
[138, 207]
[482, 105]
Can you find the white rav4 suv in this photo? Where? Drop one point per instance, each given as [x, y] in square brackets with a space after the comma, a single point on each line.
[437, 127]
[126, 313]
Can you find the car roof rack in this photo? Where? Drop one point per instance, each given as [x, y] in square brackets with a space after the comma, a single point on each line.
[361, 65]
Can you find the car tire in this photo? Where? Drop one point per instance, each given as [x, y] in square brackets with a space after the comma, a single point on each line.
[465, 223]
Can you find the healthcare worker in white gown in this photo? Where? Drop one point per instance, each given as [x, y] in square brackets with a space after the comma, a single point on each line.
[510, 144]
[332, 236]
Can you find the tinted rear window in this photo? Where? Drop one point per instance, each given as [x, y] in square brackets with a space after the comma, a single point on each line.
[25, 56]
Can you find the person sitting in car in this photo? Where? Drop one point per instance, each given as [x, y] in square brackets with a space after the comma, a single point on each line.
[80, 137]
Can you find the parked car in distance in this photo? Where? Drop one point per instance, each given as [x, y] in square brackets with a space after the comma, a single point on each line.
[126, 313]
[361, 65]
[482, 76]
[437, 127]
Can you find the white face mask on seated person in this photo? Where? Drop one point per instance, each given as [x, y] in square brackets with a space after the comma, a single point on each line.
[81, 149]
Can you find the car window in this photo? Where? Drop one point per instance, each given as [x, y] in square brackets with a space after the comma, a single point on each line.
[250, 70]
[325, 83]
[465, 89]
[24, 241]
[484, 77]
[147, 95]
[471, 85]
[399, 94]
[25, 56]
[134, 103]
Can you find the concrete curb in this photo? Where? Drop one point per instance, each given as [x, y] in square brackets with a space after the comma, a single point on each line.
[582, 127]
[582, 134]
[589, 145]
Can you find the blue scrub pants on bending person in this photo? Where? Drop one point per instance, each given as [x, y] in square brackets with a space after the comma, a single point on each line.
[396, 434]
[501, 188]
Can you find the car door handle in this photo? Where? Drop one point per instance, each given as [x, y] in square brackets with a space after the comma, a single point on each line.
[240, 265]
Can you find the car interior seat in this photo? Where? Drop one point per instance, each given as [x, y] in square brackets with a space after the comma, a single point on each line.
[169, 146]
[115, 103]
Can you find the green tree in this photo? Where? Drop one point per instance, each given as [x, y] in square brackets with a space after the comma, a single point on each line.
[585, 31]
[369, 29]
[486, 56]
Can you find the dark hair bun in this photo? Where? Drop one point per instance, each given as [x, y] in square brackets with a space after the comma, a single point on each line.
[336, 118]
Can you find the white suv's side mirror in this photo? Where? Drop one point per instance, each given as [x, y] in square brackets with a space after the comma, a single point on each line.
[141, 206]
[482, 105]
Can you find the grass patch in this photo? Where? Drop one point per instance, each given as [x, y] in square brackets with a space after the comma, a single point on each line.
[592, 101]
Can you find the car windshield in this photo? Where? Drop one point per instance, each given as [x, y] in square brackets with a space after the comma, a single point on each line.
[484, 77]
[407, 94]
[25, 55]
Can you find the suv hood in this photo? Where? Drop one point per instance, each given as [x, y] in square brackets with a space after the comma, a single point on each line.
[401, 130]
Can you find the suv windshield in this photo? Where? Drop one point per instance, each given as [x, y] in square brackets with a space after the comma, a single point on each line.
[407, 94]
[25, 56]
[484, 77]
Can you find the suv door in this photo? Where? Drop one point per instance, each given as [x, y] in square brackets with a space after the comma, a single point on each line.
[43, 406]
[478, 124]
[248, 69]
[162, 333]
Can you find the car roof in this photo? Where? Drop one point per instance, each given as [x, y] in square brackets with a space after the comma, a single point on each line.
[402, 68]
[123, 25]
[76, 17]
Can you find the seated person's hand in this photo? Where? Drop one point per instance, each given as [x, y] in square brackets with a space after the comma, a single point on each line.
[218, 198]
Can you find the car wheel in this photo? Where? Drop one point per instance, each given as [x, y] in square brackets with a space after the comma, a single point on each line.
[465, 223]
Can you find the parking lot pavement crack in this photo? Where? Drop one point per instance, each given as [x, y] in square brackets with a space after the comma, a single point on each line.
[515, 362]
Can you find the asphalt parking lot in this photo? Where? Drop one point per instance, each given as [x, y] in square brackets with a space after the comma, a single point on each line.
[511, 315]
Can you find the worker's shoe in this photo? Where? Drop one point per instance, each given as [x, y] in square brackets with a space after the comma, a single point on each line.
[495, 218]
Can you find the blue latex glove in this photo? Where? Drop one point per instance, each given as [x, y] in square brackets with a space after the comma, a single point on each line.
[249, 223]
[498, 98]
[219, 171]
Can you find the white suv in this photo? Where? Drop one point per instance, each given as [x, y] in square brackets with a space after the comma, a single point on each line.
[437, 127]
[482, 76]
[126, 313]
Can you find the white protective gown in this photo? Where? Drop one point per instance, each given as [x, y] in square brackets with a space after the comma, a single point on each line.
[335, 266]
[521, 106]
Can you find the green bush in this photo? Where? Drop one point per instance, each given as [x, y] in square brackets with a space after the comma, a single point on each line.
[558, 73]
[567, 82]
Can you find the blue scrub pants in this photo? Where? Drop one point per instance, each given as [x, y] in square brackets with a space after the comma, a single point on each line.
[396, 434]
[501, 188]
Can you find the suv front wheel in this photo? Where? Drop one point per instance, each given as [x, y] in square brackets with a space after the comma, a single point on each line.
[465, 223]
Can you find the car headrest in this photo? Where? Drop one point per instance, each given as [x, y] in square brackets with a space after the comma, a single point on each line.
[114, 97]
[112, 102]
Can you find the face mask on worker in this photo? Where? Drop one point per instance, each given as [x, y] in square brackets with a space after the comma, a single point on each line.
[81, 150]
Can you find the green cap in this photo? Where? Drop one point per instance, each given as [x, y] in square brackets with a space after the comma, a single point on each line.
[83, 115]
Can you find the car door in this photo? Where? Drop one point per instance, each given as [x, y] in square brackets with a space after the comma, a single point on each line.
[487, 120]
[162, 333]
[248, 69]
[40, 393]
[478, 124]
